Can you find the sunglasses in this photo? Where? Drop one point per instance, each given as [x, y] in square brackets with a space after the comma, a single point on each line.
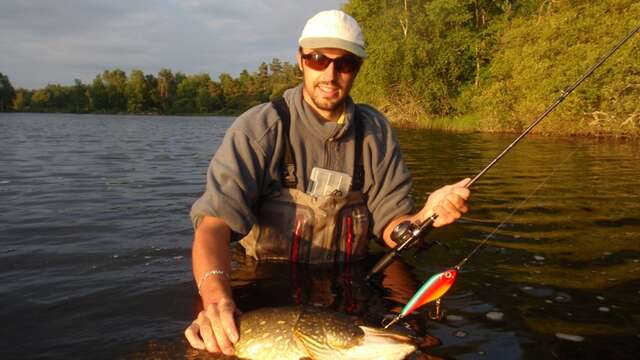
[344, 64]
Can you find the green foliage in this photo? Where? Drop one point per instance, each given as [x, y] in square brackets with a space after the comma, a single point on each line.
[7, 93]
[53, 97]
[193, 95]
[22, 100]
[137, 92]
[452, 64]
[424, 50]
[499, 62]
[97, 94]
[166, 90]
[542, 54]
[166, 93]
[115, 83]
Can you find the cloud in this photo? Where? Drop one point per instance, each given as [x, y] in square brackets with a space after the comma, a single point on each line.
[56, 41]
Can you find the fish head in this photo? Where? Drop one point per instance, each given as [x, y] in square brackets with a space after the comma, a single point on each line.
[381, 344]
[329, 336]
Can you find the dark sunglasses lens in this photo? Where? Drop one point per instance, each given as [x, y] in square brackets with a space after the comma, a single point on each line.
[316, 61]
[346, 64]
[319, 62]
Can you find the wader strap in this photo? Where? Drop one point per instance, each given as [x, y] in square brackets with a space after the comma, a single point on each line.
[358, 168]
[288, 160]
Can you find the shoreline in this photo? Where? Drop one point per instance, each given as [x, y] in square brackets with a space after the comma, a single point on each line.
[459, 124]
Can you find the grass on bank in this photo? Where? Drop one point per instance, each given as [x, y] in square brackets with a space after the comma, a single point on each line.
[595, 124]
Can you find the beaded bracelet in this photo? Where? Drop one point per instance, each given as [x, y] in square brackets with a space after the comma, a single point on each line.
[209, 273]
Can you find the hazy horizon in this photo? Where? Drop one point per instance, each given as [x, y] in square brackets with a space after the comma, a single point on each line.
[47, 42]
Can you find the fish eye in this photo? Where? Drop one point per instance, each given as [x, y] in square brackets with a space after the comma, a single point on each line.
[447, 275]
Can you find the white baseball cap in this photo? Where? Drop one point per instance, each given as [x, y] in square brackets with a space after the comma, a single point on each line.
[333, 29]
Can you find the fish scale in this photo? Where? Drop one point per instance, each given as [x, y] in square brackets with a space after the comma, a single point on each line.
[310, 333]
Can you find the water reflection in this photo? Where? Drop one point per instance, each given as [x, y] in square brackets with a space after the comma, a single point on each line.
[567, 262]
[95, 231]
[339, 287]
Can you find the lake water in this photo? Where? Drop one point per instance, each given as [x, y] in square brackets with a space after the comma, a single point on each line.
[95, 243]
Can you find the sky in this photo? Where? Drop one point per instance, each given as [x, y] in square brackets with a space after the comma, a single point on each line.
[56, 41]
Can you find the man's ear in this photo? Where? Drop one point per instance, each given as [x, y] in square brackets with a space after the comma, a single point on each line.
[299, 60]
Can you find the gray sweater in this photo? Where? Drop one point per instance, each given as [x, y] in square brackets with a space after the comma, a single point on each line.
[246, 166]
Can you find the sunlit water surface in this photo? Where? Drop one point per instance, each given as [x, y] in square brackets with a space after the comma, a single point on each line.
[95, 243]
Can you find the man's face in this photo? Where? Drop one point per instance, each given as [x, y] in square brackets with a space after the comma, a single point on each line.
[326, 89]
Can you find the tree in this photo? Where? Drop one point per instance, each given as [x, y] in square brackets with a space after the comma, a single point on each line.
[425, 52]
[115, 82]
[40, 100]
[22, 100]
[98, 97]
[77, 100]
[137, 92]
[166, 90]
[286, 76]
[152, 100]
[541, 53]
[193, 95]
[7, 93]
[231, 92]
[275, 67]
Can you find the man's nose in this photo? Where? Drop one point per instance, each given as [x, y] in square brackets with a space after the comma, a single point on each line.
[330, 73]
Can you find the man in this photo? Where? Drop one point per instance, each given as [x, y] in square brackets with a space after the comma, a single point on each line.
[262, 183]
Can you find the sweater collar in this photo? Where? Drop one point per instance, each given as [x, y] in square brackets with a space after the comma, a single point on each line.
[311, 122]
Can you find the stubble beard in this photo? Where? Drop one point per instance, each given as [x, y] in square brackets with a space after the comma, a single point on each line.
[323, 103]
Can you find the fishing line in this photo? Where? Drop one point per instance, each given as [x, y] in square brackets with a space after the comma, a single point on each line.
[437, 285]
[407, 233]
[508, 217]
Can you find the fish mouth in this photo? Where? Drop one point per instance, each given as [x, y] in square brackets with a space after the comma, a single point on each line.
[381, 344]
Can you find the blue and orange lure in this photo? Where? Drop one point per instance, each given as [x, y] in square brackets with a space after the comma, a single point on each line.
[432, 289]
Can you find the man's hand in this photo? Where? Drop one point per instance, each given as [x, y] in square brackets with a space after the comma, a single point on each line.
[449, 202]
[214, 329]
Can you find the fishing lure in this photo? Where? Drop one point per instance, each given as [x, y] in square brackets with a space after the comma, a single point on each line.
[432, 289]
[407, 233]
[436, 286]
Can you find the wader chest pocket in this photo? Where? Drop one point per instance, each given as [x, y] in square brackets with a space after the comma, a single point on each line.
[286, 230]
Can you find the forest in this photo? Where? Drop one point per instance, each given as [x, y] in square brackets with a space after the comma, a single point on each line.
[460, 65]
[164, 93]
[488, 65]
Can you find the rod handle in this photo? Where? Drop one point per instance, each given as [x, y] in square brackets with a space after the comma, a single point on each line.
[382, 263]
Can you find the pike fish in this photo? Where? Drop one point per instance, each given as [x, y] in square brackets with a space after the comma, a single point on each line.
[310, 333]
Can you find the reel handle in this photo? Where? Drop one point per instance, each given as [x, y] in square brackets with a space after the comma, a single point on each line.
[405, 234]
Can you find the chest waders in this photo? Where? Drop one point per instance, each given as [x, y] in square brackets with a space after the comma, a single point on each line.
[295, 226]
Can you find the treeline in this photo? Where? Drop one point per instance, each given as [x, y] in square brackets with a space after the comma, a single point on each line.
[164, 93]
[7, 93]
[493, 65]
[488, 65]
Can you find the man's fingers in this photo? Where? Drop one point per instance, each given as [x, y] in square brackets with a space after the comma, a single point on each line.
[209, 338]
[219, 332]
[462, 183]
[191, 333]
[228, 322]
[455, 200]
[462, 192]
[214, 329]
[447, 213]
[449, 202]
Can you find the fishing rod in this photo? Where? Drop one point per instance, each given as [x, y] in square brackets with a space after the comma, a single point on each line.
[439, 284]
[407, 233]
